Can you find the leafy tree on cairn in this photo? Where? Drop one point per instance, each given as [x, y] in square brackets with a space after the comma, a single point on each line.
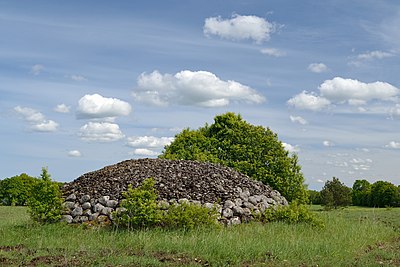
[335, 194]
[252, 150]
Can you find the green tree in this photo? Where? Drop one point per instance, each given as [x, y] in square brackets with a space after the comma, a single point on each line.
[315, 197]
[45, 201]
[361, 193]
[16, 190]
[384, 194]
[252, 150]
[335, 194]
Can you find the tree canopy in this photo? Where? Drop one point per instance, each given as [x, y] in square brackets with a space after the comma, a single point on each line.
[252, 150]
[335, 194]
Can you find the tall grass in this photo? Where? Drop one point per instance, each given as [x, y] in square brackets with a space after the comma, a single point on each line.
[346, 236]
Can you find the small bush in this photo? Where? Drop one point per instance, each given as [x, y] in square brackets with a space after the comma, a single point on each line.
[45, 201]
[294, 213]
[139, 207]
[188, 215]
[15, 191]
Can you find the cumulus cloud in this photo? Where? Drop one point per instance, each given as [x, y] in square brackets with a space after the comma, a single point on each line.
[317, 67]
[395, 111]
[393, 144]
[101, 132]
[309, 101]
[144, 152]
[74, 153]
[37, 120]
[96, 106]
[37, 69]
[290, 148]
[199, 88]
[298, 119]
[355, 92]
[240, 28]
[149, 141]
[273, 52]
[62, 108]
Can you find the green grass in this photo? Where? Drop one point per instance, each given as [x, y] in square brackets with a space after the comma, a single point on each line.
[352, 237]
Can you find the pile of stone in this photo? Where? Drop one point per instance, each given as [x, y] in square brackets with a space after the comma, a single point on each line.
[95, 195]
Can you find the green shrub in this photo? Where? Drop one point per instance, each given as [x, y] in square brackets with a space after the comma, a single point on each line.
[44, 204]
[293, 213]
[139, 207]
[188, 215]
[15, 191]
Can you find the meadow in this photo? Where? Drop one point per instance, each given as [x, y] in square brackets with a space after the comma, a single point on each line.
[352, 237]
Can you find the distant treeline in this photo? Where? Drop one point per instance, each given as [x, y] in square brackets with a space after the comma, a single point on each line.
[363, 193]
[16, 190]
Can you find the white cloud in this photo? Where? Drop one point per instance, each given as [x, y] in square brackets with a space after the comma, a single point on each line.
[273, 52]
[309, 101]
[96, 106]
[62, 108]
[200, 88]
[355, 92]
[100, 131]
[290, 148]
[37, 69]
[393, 144]
[74, 153]
[327, 143]
[149, 141]
[395, 111]
[317, 67]
[78, 78]
[320, 181]
[298, 119]
[36, 119]
[145, 152]
[240, 28]
[374, 55]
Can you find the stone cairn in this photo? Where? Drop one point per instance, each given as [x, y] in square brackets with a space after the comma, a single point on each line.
[95, 195]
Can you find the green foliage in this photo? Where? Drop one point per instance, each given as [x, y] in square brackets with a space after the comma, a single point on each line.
[15, 191]
[361, 194]
[384, 194]
[314, 197]
[293, 213]
[252, 150]
[139, 207]
[188, 215]
[45, 200]
[335, 194]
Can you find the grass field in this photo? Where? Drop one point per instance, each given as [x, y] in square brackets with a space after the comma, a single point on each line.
[352, 237]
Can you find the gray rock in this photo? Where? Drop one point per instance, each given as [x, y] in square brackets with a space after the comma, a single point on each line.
[228, 204]
[106, 211]
[93, 217]
[235, 221]
[98, 208]
[103, 200]
[183, 200]
[67, 218]
[246, 212]
[238, 202]
[253, 200]
[196, 202]
[120, 210]
[71, 197]
[248, 205]
[87, 212]
[80, 219]
[112, 204]
[77, 212]
[86, 205]
[244, 196]
[237, 211]
[84, 198]
[69, 205]
[209, 206]
[227, 213]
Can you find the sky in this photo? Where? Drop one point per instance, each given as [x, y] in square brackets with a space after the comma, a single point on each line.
[85, 84]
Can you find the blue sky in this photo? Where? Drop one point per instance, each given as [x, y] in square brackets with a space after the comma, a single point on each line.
[85, 84]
